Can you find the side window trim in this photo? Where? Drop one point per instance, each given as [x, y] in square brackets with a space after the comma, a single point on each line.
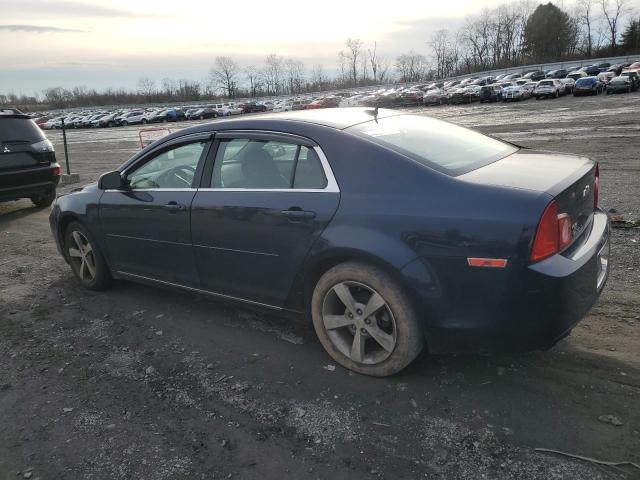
[205, 184]
[169, 145]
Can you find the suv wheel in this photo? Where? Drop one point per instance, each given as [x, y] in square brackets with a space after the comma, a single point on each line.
[85, 257]
[364, 320]
[44, 199]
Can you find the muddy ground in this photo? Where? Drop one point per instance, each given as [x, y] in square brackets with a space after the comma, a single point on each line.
[143, 383]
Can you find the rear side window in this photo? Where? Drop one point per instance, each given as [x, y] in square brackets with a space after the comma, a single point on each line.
[440, 145]
[19, 130]
[266, 165]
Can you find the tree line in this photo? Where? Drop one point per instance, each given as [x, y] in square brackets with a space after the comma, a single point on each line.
[509, 35]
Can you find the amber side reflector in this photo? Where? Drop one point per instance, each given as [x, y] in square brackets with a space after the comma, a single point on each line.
[487, 262]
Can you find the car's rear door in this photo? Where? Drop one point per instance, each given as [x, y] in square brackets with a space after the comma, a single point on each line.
[265, 199]
[147, 225]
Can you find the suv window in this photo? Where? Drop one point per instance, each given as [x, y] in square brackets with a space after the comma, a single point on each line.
[262, 164]
[19, 128]
[172, 168]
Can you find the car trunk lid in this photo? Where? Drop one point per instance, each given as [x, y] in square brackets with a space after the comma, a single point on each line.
[569, 179]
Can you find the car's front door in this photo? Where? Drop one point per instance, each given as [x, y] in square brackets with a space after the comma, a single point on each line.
[147, 224]
[265, 199]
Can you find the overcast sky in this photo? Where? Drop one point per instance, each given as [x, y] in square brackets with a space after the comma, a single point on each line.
[114, 42]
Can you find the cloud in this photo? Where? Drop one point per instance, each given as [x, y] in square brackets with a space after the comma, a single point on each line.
[69, 8]
[38, 29]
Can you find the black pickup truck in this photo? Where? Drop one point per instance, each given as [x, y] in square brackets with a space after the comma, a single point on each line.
[28, 167]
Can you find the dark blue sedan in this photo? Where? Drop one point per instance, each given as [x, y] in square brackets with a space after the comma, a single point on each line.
[390, 231]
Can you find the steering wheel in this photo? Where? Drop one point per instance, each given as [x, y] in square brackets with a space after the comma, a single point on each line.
[182, 175]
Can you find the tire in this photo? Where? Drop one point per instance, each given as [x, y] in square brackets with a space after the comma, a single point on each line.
[557, 93]
[395, 321]
[111, 124]
[144, 121]
[125, 123]
[201, 117]
[44, 199]
[81, 262]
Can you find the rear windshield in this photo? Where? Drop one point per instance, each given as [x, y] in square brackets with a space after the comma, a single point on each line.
[19, 130]
[546, 82]
[440, 145]
[585, 81]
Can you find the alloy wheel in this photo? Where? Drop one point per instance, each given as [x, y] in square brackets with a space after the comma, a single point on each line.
[359, 322]
[81, 253]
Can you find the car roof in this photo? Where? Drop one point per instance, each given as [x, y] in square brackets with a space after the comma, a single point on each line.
[338, 118]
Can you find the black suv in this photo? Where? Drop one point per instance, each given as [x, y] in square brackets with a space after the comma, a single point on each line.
[490, 93]
[28, 167]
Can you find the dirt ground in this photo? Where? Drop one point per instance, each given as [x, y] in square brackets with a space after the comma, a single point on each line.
[142, 383]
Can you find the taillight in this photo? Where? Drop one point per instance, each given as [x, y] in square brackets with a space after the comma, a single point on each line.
[554, 232]
[56, 171]
[565, 232]
[596, 187]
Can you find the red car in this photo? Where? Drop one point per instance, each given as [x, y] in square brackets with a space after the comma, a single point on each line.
[327, 102]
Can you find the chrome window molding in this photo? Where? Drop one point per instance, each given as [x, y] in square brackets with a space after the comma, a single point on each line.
[332, 184]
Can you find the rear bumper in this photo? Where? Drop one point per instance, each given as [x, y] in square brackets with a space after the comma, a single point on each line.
[15, 184]
[526, 308]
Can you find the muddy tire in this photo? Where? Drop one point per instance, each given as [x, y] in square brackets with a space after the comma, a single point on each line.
[85, 258]
[364, 320]
[44, 199]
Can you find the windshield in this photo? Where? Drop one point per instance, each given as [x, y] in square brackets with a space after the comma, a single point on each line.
[440, 145]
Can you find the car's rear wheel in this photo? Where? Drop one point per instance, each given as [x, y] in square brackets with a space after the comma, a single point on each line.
[85, 257]
[364, 320]
[44, 199]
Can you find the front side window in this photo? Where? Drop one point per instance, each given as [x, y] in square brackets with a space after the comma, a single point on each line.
[440, 145]
[266, 165]
[173, 168]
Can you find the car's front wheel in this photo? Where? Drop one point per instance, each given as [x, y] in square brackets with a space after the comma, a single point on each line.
[364, 320]
[85, 257]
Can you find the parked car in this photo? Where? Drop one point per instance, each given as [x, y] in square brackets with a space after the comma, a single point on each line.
[548, 88]
[619, 85]
[605, 77]
[132, 118]
[203, 113]
[635, 78]
[515, 93]
[588, 86]
[408, 98]
[435, 96]
[617, 68]
[228, 110]
[481, 245]
[576, 74]
[166, 115]
[252, 107]
[490, 93]
[569, 85]
[560, 73]
[28, 167]
[463, 95]
[535, 76]
[591, 70]
[108, 120]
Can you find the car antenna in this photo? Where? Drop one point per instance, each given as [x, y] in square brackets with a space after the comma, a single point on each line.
[373, 113]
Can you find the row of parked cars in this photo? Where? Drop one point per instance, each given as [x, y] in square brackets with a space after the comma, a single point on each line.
[584, 80]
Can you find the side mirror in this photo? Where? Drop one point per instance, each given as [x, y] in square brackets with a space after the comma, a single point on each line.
[111, 181]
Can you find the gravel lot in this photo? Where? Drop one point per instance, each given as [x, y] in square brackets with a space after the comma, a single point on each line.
[144, 383]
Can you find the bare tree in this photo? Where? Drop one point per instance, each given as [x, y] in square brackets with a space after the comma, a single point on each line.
[318, 78]
[351, 57]
[147, 87]
[224, 75]
[254, 78]
[612, 16]
[294, 70]
[272, 73]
